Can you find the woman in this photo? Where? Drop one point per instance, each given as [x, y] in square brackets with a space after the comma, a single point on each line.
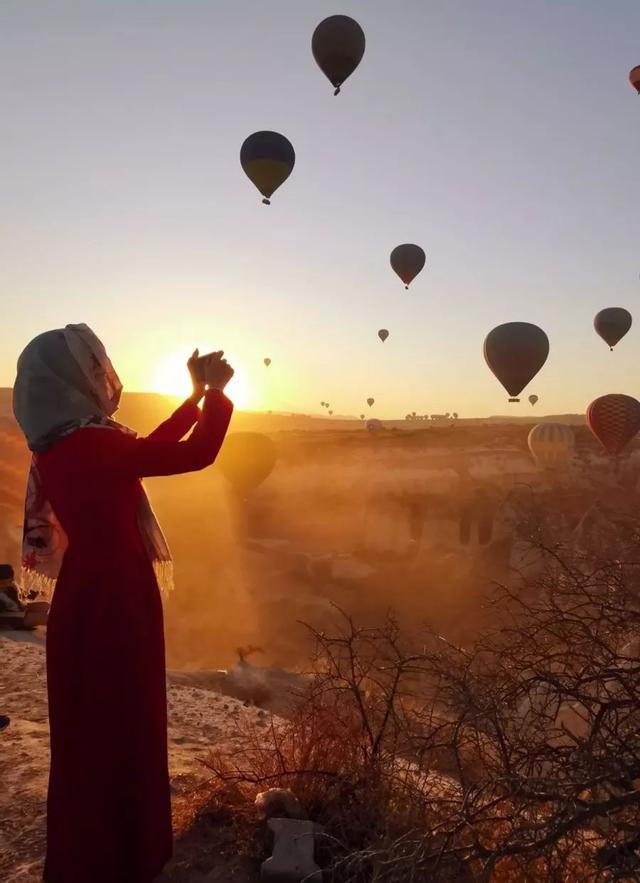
[89, 530]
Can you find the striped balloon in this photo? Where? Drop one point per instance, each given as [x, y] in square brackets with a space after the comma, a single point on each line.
[551, 444]
[614, 420]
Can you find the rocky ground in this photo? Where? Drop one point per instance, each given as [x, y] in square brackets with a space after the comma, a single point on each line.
[198, 718]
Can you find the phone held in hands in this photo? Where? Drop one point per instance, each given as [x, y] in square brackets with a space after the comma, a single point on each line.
[198, 366]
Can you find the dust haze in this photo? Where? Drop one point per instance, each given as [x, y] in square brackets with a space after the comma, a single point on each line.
[425, 519]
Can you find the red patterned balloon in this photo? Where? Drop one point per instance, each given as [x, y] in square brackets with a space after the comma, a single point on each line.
[614, 420]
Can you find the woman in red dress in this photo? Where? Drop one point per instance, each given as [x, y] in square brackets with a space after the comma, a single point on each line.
[89, 530]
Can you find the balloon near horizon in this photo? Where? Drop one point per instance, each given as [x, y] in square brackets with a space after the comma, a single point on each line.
[170, 377]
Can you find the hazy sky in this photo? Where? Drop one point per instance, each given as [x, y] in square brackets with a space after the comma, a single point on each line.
[501, 135]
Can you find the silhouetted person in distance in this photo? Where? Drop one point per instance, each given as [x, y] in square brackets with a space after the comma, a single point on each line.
[91, 533]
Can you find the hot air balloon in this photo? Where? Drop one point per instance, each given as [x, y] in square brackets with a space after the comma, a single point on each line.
[407, 261]
[515, 352]
[362, 416]
[614, 420]
[612, 324]
[533, 399]
[246, 459]
[383, 334]
[267, 362]
[338, 46]
[370, 401]
[330, 413]
[373, 425]
[551, 444]
[327, 405]
[268, 159]
[322, 404]
[634, 78]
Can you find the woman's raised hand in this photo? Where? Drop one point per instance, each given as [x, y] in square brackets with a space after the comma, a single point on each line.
[216, 370]
[197, 379]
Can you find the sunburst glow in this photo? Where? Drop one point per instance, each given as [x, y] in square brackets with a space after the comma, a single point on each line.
[171, 377]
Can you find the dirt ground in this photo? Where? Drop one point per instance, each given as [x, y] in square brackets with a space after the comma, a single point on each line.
[206, 851]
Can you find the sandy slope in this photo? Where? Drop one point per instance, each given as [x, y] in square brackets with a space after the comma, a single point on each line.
[197, 718]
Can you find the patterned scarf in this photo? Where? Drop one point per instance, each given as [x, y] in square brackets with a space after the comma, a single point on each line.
[66, 382]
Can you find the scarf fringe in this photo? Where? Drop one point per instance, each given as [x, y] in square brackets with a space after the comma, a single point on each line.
[32, 581]
[164, 576]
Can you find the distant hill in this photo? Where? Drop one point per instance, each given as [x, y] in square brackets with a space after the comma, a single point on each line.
[144, 410]
[569, 419]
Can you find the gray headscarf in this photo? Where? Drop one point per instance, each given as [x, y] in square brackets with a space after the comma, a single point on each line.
[64, 377]
[66, 382]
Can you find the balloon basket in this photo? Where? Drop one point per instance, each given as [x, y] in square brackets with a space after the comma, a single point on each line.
[514, 400]
[266, 201]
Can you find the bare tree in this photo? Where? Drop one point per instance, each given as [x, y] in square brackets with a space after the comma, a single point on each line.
[516, 759]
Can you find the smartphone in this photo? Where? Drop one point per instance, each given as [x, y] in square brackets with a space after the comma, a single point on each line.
[199, 366]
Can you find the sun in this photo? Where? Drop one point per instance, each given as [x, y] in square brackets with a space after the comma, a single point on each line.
[170, 377]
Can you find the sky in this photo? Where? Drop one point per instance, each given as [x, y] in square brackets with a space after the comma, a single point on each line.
[501, 135]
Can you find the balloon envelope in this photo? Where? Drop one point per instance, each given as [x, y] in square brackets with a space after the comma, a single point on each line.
[338, 46]
[533, 399]
[551, 444]
[515, 352]
[268, 159]
[612, 324]
[614, 420]
[267, 362]
[246, 459]
[383, 334]
[370, 401]
[634, 78]
[407, 261]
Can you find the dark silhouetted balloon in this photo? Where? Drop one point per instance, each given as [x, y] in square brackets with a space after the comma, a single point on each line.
[612, 324]
[246, 459]
[330, 413]
[614, 420]
[407, 261]
[322, 404]
[551, 444]
[362, 416]
[383, 334]
[268, 159]
[533, 399]
[338, 46]
[634, 78]
[370, 401]
[267, 362]
[515, 352]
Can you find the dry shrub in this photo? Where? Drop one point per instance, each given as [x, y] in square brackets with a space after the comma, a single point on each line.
[517, 760]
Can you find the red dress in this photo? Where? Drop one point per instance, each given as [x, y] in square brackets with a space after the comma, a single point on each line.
[108, 809]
